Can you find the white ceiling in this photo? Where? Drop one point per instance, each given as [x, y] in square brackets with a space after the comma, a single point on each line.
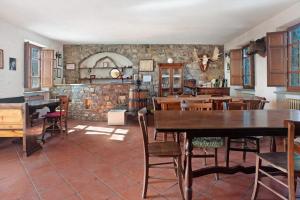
[140, 21]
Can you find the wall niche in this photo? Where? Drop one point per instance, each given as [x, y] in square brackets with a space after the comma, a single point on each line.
[99, 66]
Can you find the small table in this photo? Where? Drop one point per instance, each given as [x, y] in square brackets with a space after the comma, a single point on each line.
[221, 123]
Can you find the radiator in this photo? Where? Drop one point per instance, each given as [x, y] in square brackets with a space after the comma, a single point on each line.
[294, 104]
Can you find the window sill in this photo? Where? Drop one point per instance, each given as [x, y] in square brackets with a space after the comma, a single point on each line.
[287, 92]
[246, 91]
[29, 93]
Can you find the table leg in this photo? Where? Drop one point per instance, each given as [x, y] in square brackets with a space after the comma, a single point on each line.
[188, 170]
[273, 144]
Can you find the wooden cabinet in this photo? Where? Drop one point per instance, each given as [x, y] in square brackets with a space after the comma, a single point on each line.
[170, 79]
[213, 91]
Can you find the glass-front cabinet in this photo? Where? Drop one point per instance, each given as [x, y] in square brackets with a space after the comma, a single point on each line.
[170, 79]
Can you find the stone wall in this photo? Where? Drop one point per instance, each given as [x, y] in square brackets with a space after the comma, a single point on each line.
[180, 53]
[92, 102]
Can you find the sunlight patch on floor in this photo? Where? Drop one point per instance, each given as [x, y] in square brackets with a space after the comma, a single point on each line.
[101, 129]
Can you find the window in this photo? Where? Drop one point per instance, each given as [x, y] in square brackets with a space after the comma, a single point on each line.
[35, 67]
[248, 68]
[38, 67]
[294, 58]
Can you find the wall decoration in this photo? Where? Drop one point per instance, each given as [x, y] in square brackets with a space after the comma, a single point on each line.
[1, 59]
[13, 64]
[58, 72]
[146, 65]
[58, 58]
[204, 60]
[147, 78]
[70, 66]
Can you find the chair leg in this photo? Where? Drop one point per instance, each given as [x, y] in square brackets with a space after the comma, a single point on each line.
[44, 130]
[244, 149]
[146, 176]
[165, 137]
[216, 163]
[227, 151]
[257, 178]
[175, 166]
[258, 145]
[155, 134]
[179, 175]
[205, 157]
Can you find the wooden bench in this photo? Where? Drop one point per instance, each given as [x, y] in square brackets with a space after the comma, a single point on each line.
[14, 123]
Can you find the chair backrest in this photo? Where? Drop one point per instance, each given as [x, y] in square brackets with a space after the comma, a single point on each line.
[293, 128]
[156, 106]
[172, 105]
[64, 104]
[253, 104]
[262, 103]
[218, 104]
[200, 106]
[236, 106]
[142, 117]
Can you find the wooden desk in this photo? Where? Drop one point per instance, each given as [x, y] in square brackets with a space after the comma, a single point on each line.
[219, 123]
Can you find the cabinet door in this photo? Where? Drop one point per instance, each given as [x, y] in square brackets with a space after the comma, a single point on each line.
[177, 80]
[165, 82]
[277, 58]
[236, 72]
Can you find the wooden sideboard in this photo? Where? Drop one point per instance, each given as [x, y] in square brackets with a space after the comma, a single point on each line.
[213, 91]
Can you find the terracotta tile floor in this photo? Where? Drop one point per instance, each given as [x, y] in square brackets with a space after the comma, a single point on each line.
[98, 162]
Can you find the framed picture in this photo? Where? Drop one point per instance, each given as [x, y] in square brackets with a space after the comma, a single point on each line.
[13, 64]
[58, 72]
[70, 66]
[1, 59]
[146, 65]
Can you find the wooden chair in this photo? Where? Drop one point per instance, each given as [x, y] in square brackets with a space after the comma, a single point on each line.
[263, 102]
[206, 142]
[218, 104]
[159, 149]
[287, 162]
[156, 107]
[172, 105]
[59, 116]
[244, 141]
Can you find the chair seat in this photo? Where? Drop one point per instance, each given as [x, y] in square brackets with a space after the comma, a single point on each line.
[54, 114]
[280, 159]
[164, 149]
[208, 142]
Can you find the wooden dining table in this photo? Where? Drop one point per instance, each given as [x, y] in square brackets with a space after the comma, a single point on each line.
[221, 123]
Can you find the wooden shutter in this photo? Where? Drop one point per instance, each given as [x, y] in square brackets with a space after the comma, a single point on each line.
[277, 58]
[47, 65]
[236, 65]
[27, 65]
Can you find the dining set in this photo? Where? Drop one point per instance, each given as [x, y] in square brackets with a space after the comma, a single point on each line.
[208, 122]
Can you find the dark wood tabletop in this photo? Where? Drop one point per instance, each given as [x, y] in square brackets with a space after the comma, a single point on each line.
[229, 121]
[221, 123]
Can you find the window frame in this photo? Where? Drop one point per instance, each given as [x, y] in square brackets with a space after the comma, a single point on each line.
[28, 67]
[289, 60]
[252, 69]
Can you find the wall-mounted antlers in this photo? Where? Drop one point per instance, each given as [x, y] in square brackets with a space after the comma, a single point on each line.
[258, 46]
[204, 59]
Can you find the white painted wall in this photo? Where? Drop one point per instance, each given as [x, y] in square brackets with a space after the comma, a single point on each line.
[12, 42]
[278, 22]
